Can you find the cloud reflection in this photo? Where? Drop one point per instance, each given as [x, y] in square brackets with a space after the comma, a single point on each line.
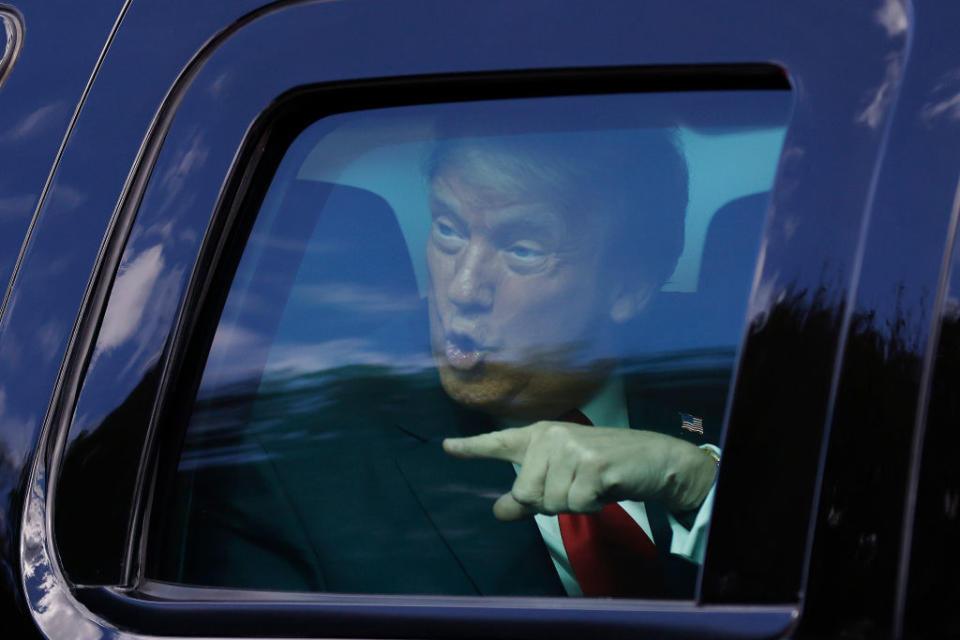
[130, 295]
[236, 351]
[54, 609]
[17, 207]
[944, 100]
[34, 122]
[892, 16]
[344, 352]
[879, 105]
[355, 298]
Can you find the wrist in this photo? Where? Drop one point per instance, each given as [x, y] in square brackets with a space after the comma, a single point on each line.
[689, 478]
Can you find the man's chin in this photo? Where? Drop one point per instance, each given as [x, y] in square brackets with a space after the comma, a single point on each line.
[509, 392]
[476, 389]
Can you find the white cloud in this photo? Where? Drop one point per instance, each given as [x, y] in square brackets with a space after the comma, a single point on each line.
[34, 122]
[238, 353]
[950, 107]
[230, 338]
[131, 293]
[873, 115]
[892, 16]
[216, 88]
[190, 160]
[19, 206]
[355, 298]
[305, 358]
[49, 339]
[65, 197]
[56, 612]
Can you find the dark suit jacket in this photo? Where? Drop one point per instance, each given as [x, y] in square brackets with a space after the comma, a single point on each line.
[351, 492]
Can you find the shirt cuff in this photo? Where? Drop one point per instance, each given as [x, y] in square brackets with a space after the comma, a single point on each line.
[692, 543]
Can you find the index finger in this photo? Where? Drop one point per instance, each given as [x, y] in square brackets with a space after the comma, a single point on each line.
[506, 444]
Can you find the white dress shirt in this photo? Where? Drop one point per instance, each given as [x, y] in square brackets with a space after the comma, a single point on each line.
[608, 408]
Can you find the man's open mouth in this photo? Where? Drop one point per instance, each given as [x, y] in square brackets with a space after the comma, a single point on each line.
[463, 352]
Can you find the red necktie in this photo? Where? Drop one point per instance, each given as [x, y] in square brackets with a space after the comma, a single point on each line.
[609, 553]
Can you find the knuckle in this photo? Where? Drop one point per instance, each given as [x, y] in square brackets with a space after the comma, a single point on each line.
[612, 480]
[574, 450]
[582, 500]
[539, 427]
[542, 433]
[552, 508]
[589, 459]
[526, 495]
[555, 431]
[554, 504]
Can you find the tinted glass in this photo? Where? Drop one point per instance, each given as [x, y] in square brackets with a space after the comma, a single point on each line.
[480, 348]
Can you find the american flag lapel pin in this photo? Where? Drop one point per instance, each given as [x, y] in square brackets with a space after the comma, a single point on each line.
[691, 423]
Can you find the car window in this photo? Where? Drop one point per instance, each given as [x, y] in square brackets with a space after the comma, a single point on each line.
[479, 348]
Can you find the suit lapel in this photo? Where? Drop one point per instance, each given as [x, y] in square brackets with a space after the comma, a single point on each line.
[645, 412]
[457, 497]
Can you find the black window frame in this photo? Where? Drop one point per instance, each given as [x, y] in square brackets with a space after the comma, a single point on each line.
[265, 146]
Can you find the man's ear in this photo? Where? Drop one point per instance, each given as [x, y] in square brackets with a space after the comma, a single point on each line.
[627, 302]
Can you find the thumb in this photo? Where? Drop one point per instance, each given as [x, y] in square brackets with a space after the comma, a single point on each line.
[507, 509]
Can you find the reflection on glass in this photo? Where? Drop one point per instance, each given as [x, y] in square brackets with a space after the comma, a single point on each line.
[11, 40]
[480, 349]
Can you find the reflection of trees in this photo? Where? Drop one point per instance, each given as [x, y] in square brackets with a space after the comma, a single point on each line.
[777, 421]
[934, 590]
[777, 432]
[775, 428]
[861, 511]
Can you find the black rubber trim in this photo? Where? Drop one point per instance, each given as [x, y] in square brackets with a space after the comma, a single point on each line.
[173, 610]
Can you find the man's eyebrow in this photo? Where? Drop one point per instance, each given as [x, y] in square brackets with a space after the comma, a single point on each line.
[441, 205]
[521, 219]
[444, 208]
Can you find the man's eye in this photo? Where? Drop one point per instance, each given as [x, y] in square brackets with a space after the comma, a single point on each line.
[446, 236]
[446, 230]
[524, 253]
[525, 258]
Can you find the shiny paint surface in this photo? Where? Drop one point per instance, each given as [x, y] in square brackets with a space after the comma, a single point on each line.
[865, 512]
[42, 85]
[843, 319]
[62, 42]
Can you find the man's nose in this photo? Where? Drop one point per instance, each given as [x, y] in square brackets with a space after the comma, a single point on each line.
[472, 286]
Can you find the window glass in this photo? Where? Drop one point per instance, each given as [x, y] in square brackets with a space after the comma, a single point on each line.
[479, 348]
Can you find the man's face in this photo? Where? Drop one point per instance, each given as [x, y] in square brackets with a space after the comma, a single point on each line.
[517, 304]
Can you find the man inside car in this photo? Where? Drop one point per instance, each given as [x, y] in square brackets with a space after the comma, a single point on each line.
[543, 250]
